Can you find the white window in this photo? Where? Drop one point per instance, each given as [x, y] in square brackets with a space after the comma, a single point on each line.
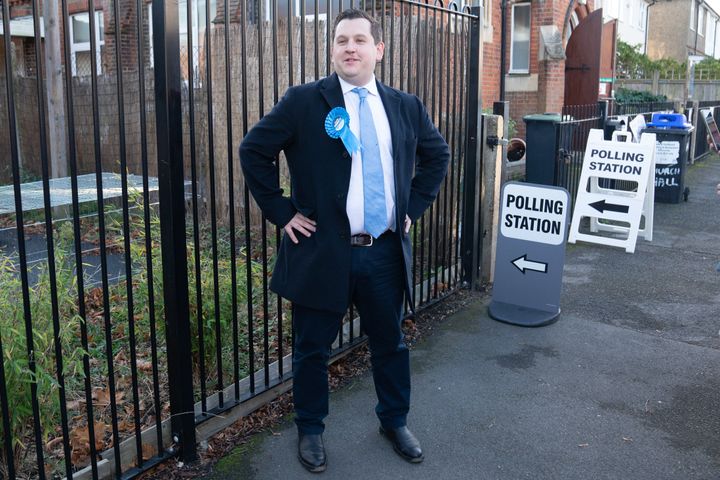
[520, 39]
[701, 21]
[80, 43]
[198, 29]
[643, 15]
[693, 13]
[710, 42]
[629, 13]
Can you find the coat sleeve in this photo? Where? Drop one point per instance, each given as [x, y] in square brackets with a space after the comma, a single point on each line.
[259, 157]
[432, 158]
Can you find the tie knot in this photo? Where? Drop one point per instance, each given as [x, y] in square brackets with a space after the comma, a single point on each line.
[361, 91]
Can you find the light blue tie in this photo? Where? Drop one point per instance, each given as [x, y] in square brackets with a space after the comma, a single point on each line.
[373, 181]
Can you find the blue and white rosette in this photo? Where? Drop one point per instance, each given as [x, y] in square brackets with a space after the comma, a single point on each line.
[337, 125]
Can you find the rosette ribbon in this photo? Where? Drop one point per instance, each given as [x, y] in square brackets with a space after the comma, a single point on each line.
[337, 125]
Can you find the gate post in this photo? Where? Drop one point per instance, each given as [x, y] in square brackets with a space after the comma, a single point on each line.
[470, 234]
[172, 224]
[604, 110]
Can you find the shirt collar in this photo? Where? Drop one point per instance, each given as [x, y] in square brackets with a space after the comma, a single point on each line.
[347, 86]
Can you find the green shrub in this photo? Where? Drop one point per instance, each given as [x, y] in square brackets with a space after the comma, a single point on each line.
[625, 95]
[19, 377]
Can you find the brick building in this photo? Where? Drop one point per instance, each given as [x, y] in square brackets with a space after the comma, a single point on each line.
[537, 33]
[684, 28]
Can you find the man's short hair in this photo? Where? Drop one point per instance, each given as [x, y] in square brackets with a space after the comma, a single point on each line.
[354, 13]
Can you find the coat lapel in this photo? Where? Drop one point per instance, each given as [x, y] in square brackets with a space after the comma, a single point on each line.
[331, 91]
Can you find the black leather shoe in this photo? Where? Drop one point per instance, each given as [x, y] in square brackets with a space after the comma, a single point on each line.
[404, 443]
[311, 452]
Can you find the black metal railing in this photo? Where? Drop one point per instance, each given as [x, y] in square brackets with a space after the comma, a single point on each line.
[571, 135]
[640, 108]
[134, 277]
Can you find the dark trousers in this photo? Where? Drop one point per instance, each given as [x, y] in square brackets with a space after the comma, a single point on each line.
[376, 289]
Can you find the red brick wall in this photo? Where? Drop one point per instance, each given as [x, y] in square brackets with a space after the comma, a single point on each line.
[551, 75]
[491, 62]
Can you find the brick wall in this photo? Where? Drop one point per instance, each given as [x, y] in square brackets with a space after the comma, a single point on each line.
[669, 33]
[551, 74]
[491, 61]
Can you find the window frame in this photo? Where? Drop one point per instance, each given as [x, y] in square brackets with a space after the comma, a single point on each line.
[527, 5]
[693, 14]
[86, 46]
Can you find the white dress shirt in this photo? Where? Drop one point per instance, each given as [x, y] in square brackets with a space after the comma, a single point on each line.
[355, 200]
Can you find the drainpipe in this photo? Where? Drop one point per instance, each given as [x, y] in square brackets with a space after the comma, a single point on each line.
[647, 23]
[698, 6]
[503, 41]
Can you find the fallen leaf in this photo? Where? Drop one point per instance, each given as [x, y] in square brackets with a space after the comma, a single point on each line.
[54, 442]
[102, 396]
[144, 365]
[125, 426]
[75, 404]
[583, 445]
[627, 439]
[148, 451]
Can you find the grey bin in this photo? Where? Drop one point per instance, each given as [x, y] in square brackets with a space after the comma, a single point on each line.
[541, 150]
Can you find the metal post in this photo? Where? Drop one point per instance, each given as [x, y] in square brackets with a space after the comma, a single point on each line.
[172, 223]
[603, 108]
[470, 245]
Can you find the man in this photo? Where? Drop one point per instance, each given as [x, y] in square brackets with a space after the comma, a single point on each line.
[354, 195]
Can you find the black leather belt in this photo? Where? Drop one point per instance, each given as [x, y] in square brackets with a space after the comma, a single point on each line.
[361, 240]
[365, 239]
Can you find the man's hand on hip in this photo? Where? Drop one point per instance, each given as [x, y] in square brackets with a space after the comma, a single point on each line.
[408, 224]
[300, 223]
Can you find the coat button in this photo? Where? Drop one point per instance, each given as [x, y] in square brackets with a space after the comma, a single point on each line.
[342, 236]
[340, 196]
[345, 155]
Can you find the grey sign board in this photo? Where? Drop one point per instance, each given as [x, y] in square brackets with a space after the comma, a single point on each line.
[530, 254]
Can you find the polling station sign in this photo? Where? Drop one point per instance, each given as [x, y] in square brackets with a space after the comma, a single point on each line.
[615, 191]
[530, 254]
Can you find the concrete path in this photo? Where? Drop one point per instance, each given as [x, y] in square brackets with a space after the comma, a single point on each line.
[626, 385]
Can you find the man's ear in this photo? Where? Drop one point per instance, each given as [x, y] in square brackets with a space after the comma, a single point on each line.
[379, 50]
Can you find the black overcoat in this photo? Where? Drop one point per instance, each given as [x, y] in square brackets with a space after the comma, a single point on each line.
[316, 271]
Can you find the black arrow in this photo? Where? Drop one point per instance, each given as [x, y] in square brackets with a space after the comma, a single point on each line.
[601, 206]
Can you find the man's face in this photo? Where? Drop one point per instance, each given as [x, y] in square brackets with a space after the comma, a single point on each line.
[354, 52]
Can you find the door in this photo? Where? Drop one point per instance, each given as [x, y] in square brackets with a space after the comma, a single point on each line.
[582, 63]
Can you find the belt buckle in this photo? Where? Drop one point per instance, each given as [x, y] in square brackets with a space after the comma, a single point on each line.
[361, 237]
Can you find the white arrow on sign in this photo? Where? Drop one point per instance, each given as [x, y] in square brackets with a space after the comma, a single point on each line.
[522, 264]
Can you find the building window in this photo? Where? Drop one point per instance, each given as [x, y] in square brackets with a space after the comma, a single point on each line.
[710, 43]
[701, 21]
[642, 16]
[80, 43]
[198, 24]
[693, 13]
[520, 39]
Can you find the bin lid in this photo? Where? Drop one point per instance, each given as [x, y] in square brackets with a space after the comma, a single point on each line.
[669, 120]
[543, 117]
[665, 130]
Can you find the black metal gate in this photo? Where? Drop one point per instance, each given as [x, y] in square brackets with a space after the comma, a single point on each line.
[134, 266]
